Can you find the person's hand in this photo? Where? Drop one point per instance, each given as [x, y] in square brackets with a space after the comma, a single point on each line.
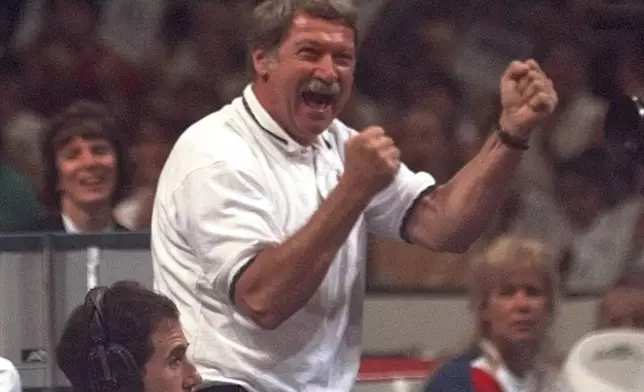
[528, 98]
[372, 161]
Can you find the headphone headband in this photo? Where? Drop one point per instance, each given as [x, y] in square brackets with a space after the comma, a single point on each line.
[96, 327]
[110, 364]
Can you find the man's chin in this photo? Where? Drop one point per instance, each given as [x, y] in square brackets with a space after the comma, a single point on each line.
[93, 201]
[315, 123]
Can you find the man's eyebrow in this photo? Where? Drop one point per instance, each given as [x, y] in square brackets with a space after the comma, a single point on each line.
[306, 41]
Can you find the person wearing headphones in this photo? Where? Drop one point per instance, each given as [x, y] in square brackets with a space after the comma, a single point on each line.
[126, 338]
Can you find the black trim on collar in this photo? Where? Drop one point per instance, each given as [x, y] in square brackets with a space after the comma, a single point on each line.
[279, 138]
[252, 115]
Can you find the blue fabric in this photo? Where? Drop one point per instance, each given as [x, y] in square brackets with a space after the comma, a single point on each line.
[456, 375]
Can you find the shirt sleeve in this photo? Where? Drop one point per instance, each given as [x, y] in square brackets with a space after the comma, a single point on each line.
[387, 212]
[228, 220]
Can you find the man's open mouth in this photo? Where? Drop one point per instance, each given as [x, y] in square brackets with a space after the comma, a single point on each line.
[317, 101]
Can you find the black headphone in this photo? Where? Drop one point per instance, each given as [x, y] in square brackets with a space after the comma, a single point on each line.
[110, 366]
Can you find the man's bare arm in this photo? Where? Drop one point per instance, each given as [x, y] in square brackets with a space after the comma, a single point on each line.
[282, 279]
[455, 214]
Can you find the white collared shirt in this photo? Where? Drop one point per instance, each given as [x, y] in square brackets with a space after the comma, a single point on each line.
[230, 188]
[71, 228]
[69, 225]
[9, 377]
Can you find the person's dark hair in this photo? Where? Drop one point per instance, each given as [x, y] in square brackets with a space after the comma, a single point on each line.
[131, 314]
[271, 20]
[89, 120]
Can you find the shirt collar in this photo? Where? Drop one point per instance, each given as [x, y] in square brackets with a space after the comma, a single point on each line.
[495, 364]
[270, 127]
[70, 227]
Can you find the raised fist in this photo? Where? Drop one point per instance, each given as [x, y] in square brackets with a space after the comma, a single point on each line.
[372, 161]
[528, 97]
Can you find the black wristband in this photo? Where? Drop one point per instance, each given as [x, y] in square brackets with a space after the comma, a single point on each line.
[510, 140]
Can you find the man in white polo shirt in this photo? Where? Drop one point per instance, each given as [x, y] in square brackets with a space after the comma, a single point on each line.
[262, 209]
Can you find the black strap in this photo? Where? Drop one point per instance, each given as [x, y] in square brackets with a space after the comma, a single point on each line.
[516, 142]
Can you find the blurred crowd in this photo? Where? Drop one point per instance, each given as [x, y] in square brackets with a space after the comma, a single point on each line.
[136, 73]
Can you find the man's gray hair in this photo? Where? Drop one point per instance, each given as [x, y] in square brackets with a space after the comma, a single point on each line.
[271, 20]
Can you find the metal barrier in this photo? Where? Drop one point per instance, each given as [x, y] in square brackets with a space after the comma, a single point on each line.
[43, 277]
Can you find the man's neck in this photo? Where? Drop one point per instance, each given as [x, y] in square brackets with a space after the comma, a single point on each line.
[266, 99]
[91, 219]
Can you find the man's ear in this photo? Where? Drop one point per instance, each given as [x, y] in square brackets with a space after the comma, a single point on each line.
[261, 61]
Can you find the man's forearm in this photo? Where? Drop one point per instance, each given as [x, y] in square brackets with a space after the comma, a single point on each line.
[455, 214]
[281, 280]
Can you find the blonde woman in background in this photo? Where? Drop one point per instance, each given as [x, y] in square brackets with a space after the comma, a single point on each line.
[514, 297]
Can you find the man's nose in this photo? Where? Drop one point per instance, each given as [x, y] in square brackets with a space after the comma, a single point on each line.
[193, 379]
[326, 70]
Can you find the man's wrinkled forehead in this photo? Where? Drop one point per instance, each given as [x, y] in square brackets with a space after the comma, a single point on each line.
[304, 24]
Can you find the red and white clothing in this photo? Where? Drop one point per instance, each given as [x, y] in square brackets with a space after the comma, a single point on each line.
[490, 363]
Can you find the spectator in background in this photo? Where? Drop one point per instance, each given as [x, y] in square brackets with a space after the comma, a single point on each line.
[576, 124]
[211, 60]
[20, 128]
[144, 344]
[581, 221]
[427, 133]
[19, 204]
[514, 296]
[9, 377]
[68, 61]
[155, 138]
[86, 170]
[622, 305]
[425, 143]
